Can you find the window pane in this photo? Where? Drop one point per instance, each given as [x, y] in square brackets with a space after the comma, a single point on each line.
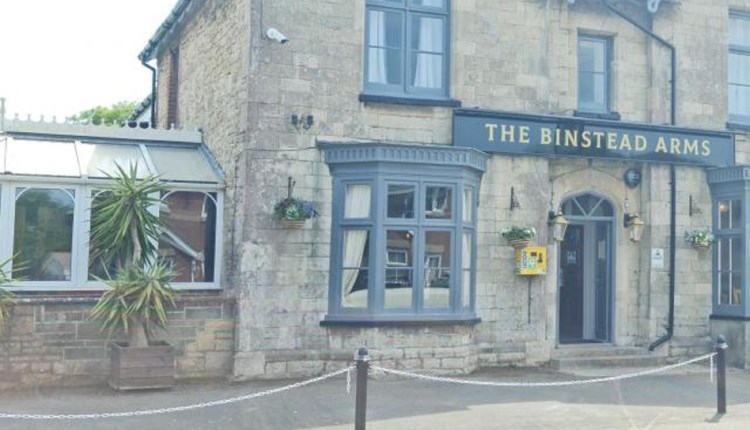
[355, 261]
[182, 164]
[738, 68]
[399, 268]
[739, 30]
[739, 100]
[385, 47]
[468, 212]
[736, 289]
[437, 267]
[357, 201]
[43, 234]
[591, 55]
[724, 288]
[431, 3]
[723, 214]
[427, 52]
[724, 254]
[466, 270]
[188, 239]
[737, 256]
[736, 211]
[438, 202]
[604, 208]
[401, 201]
[98, 268]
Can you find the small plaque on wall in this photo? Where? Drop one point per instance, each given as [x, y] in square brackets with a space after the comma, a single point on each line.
[657, 258]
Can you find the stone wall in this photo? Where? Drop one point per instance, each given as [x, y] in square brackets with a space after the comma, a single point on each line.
[50, 340]
[515, 55]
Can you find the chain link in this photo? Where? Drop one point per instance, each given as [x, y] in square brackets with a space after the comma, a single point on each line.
[539, 384]
[175, 408]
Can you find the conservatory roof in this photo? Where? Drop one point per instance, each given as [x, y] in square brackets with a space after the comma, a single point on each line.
[31, 148]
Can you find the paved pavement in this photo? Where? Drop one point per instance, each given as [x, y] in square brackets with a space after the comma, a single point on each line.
[682, 399]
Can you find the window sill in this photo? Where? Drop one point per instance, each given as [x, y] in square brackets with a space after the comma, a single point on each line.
[398, 322]
[613, 116]
[729, 317]
[409, 101]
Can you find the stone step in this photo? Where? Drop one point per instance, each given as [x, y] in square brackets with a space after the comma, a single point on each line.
[585, 351]
[569, 363]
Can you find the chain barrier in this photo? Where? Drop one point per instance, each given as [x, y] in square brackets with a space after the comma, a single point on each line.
[176, 408]
[539, 384]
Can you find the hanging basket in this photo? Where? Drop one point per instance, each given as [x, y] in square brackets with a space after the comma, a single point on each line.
[293, 224]
[700, 247]
[519, 243]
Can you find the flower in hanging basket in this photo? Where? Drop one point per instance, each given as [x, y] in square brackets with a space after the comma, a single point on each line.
[292, 208]
[519, 233]
[700, 238]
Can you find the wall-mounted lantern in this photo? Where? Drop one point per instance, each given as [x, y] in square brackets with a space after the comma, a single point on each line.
[633, 222]
[558, 224]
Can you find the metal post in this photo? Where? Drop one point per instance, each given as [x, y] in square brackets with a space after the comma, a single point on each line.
[360, 409]
[721, 375]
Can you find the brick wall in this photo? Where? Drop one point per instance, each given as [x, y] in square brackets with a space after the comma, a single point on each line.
[51, 341]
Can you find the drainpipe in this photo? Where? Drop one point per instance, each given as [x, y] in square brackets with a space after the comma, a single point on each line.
[153, 93]
[672, 175]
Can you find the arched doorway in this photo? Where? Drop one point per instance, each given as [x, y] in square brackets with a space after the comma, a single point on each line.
[585, 286]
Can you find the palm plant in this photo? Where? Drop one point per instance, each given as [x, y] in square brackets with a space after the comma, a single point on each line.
[6, 297]
[124, 239]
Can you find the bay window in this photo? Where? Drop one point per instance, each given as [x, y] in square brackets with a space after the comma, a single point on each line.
[403, 232]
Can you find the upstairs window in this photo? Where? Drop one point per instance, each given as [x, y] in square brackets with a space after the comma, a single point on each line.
[739, 68]
[406, 44]
[594, 75]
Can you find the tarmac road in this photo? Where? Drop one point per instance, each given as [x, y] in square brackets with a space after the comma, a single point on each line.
[684, 399]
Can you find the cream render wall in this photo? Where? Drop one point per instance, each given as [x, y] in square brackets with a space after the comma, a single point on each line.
[515, 55]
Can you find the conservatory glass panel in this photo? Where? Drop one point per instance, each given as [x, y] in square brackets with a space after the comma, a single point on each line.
[181, 164]
[99, 160]
[23, 158]
[43, 234]
[188, 239]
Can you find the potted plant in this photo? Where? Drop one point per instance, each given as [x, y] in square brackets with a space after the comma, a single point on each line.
[700, 239]
[519, 237]
[292, 212]
[124, 243]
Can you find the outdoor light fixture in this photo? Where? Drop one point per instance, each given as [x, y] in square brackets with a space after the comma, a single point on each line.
[558, 224]
[634, 223]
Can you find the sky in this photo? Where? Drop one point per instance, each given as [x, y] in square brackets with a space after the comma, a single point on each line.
[59, 57]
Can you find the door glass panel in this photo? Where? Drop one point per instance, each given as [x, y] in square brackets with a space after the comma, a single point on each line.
[399, 270]
[438, 203]
[571, 285]
[43, 234]
[437, 268]
[401, 201]
[354, 268]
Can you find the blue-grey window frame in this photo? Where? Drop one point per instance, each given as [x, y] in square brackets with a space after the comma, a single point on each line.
[379, 174]
[730, 183]
[606, 43]
[743, 50]
[406, 89]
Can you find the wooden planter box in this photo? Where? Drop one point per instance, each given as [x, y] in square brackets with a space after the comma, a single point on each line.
[142, 368]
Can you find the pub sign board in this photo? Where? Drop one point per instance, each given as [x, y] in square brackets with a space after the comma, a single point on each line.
[546, 135]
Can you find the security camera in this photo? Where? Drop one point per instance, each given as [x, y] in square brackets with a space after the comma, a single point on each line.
[276, 35]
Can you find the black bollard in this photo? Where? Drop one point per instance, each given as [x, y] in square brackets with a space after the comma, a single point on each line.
[360, 408]
[721, 375]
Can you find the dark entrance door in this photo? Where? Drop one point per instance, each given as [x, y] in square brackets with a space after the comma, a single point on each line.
[585, 275]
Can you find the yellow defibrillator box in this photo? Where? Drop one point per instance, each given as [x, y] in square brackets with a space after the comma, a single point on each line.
[531, 261]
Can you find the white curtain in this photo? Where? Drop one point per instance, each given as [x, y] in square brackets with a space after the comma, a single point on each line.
[376, 61]
[429, 66]
[468, 205]
[466, 272]
[356, 205]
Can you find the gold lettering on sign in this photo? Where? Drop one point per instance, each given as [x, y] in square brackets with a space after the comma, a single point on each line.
[611, 140]
[507, 133]
[586, 138]
[545, 136]
[490, 131]
[598, 135]
[640, 142]
[625, 143]
[706, 144]
[691, 147]
[661, 145]
[571, 138]
[674, 145]
[523, 134]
